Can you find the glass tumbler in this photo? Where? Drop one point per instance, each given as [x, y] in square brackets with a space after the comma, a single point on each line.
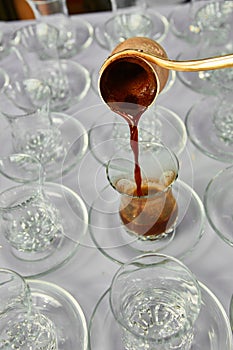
[152, 214]
[125, 25]
[37, 50]
[56, 11]
[27, 110]
[21, 325]
[155, 299]
[30, 223]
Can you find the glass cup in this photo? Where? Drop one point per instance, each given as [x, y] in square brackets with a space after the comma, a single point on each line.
[126, 25]
[35, 43]
[152, 214]
[27, 110]
[155, 299]
[30, 223]
[56, 11]
[213, 19]
[21, 325]
[206, 21]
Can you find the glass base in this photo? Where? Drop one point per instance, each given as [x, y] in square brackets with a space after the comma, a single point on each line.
[38, 255]
[159, 31]
[110, 134]
[200, 123]
[74, 218]
[110, 237]
[211, 331]
[218, 204]
[64, 311]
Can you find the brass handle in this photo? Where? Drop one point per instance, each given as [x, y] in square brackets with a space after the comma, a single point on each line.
[217, 62]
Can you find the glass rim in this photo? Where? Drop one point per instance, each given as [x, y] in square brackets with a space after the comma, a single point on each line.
[166, 188]
[206, 201]
[36, 192]
[35, 161]
[26, 288]
[165, 258]
[26, 112]
[128, 14]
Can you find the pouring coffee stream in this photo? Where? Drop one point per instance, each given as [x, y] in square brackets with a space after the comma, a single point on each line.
[135, 73]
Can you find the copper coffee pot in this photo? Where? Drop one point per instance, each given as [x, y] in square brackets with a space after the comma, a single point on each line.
[137, 70]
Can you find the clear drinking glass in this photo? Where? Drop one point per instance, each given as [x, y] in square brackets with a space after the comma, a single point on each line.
[153, 213]
[36, 46]
[26, 106]
[126, 25]
[21, 325]
[57, 10]
[218, 206]
[75, 34]
[202, 20]
[34, 43]
[30, 223]
[155, 299]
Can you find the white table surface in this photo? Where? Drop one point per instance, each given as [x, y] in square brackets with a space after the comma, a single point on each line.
[88, 274]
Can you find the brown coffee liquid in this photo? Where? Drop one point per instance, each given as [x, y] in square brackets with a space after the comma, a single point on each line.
[150, 216]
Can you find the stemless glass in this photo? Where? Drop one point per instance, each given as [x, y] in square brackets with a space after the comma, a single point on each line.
[73, 36]
[202, 20]
[153, 213]
[155, 300]
[218, 207]
[27, 109]
[30, 223]
[213, 114]
[58, 140]
[68, 80]
[21, 325]
[125, 25]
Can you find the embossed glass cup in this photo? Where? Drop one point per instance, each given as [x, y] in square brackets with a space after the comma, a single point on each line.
[155, 299]
[34, 43]
[27, 109]
[21, 325]
[57, 10]
[152, 214]
[30, 223]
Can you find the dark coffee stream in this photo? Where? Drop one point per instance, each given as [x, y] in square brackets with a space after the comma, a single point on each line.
[133, 120]
[128, 88]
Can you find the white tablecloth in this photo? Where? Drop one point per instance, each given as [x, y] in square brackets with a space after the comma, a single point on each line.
[88, 274]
